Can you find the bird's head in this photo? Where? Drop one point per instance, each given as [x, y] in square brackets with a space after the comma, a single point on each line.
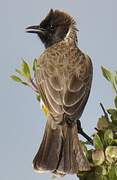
[53, 28]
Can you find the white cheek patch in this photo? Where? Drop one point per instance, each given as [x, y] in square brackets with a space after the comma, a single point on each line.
[67, 35]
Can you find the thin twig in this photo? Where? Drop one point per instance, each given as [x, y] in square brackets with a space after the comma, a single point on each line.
[80, 131]
[104, 111]
[33, 84]
[33, 88]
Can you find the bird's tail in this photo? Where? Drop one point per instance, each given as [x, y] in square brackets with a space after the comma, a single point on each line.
[60, 151]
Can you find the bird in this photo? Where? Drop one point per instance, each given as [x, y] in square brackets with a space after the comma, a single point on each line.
[63, 76]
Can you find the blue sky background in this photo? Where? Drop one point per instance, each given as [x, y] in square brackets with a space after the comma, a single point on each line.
[21, 121]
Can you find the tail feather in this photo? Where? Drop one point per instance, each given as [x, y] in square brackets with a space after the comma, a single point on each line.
[48, 155]
[60, 151]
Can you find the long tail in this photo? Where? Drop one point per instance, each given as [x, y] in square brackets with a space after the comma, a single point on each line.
[60, 151]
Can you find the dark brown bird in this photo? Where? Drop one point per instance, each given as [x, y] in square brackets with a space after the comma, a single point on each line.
[63, 75]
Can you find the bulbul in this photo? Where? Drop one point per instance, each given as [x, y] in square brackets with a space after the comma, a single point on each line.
[63, 75]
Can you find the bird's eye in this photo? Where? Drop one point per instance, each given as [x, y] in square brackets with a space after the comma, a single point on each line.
[52, 27]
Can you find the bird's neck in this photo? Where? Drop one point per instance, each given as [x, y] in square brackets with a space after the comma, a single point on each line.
[71, 36]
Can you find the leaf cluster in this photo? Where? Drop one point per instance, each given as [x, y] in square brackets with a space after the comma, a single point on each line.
[103, 154]
[25, 77]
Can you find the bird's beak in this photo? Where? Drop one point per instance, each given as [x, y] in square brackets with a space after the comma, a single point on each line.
[35, 29]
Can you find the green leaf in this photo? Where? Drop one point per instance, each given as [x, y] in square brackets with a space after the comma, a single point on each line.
[115, 101]
[114, 120]
[101, 170]
[102, 123]
[116, 78]
[104, 178]
[112, 111]
[25, 69]
[107, 74]
[84, 148]
[97, 142]
[104, 171]
[18, 71]
[25, 83]
[108, 136]
[16, 78]
[38, 98]
[34, 64]
[112, 173]
[87, 175]
[115, 142]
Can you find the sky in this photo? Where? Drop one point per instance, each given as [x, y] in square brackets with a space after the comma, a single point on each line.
[22, 123]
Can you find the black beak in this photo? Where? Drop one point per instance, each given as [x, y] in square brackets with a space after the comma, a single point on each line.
[35, 29]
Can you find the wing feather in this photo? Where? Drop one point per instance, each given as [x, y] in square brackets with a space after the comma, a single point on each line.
[67, 94]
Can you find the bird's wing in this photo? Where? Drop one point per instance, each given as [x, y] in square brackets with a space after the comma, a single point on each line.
[70, 99]
[49, 85]
[79, 86]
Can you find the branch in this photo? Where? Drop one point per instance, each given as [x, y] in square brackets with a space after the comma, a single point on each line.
[104, 111]
[80, 131]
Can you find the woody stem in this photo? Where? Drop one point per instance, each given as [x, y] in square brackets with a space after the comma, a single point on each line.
[80, 131]
[104, 111]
